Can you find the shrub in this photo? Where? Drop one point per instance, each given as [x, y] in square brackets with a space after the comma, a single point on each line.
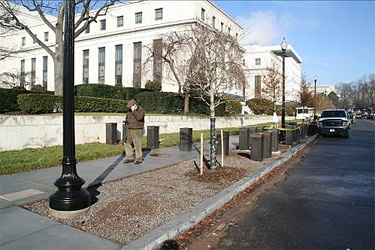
[161, 102]
[153, 85]
[233, 107]
[108, 91]
[260, 106]
[8, 99]
[93, 104]
[198, 106]
[99, 90]
[39, 103]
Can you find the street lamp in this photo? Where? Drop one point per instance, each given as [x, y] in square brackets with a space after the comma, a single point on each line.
[70, 197]
[284, 46]
[315, 79]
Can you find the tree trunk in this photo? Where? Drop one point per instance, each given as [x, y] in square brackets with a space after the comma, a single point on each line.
[59, 59]
[212, 130]
[186, 103]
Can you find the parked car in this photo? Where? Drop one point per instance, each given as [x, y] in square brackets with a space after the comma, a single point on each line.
[358, 115]
[334, 122]
[370, 115]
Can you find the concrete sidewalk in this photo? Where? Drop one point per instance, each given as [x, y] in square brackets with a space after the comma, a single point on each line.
[22, 229]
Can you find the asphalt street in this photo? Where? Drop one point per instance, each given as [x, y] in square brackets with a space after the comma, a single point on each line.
[327, 201]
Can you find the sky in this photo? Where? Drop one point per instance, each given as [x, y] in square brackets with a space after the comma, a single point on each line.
[335, 39]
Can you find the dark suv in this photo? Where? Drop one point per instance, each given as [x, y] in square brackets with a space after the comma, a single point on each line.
[334, 122]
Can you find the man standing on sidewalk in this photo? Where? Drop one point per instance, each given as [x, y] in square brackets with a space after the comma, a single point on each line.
[135, 119]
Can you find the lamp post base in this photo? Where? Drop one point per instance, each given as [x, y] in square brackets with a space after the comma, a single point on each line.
[67, 214]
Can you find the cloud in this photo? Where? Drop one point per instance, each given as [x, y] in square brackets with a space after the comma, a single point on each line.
[268, 27]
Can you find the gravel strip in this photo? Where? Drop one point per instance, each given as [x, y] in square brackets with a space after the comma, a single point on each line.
[131, 207]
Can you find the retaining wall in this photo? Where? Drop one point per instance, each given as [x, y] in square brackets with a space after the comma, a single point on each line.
[19, 132]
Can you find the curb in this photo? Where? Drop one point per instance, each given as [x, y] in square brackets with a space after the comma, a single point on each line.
[190, 219]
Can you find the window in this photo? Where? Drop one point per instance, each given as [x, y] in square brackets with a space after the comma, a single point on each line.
[257, 61]
[203, 14]
[243, 62]
[33, 71]
[23, 43]
[213, 21]
[101, 64]
[34, 39]
[258, 86]
[103, 24]
[45, 68]
[138, 17]
[118, 64]
[158, 50]
[236, 37]
[120, 21]
[87, 30]
[46, 36]
[222, 27]
[22, 72]
[85, 67]
[229, 30]
[159, 14]
[137, 59]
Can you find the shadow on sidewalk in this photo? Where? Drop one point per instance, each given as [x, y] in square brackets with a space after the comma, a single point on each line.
[95, 184]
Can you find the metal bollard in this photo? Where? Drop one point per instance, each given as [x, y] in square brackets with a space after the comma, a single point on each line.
[267, 146]
[111, 133]
[226, 142]
[274, 140]
[153, 136]
[252, 130]
[257, 148]
[289, 137]
[186, 139]
[244, 139]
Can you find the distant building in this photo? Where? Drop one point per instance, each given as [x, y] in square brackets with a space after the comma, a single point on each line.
[258, 60]
[325, 89]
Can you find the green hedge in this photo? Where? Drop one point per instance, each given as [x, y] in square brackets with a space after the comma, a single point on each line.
[108, 91]
[161, 102]
[260, 106]
[233, 108]
[93, 104]
[41, 104]
[8, 98]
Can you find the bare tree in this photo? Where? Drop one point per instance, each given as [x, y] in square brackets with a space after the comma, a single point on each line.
[322, 102]
[174, 51]
[45, 9]
[272, 88]
[214, 70]
[15, 79]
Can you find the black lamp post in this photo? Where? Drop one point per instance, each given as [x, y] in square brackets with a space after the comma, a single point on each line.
[70, 196]
[284, 46]
[315, 79]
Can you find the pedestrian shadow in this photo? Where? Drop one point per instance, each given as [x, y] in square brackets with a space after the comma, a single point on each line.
[246, 155]
[169, 245]
[95, 184]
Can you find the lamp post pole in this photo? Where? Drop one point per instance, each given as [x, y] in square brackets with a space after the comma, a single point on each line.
[315, 79]
[70, 196]
[284, 46]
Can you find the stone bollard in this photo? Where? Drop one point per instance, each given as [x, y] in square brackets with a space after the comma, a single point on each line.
[111, 133]
[226, 142]
[244, 139]
[267, 146]
[252, 130]
[274, 140]
[186, 139]
[257, 148]
[153, 137]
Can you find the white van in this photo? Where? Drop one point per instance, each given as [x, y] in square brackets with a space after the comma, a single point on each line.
[305, 113]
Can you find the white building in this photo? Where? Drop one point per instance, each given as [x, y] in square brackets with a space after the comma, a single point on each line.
[112, 49]
[322, 89]
[258, 60]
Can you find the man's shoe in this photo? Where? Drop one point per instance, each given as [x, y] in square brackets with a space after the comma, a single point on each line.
[137, 162]
[127, 161]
